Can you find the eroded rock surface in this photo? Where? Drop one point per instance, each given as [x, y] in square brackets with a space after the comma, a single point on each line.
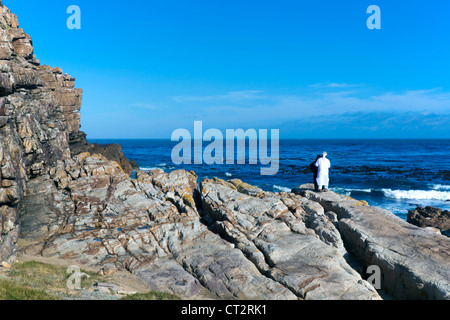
[414, 262]
[287, 237]
[214, 242]
[149, 226]
[78, 143]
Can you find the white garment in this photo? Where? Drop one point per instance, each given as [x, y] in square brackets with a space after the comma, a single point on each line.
[323, 165]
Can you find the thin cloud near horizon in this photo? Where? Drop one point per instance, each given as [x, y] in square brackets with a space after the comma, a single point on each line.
[335, 85]
[319, 103]
[335, 114]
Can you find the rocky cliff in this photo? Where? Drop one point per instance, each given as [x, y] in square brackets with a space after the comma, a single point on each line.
[207, 239]
[39, 113]
[39, 107]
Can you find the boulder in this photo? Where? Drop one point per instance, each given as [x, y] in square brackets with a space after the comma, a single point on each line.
[79, 144]
[430, 217]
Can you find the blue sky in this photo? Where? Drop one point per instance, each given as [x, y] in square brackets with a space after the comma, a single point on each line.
[309, 68]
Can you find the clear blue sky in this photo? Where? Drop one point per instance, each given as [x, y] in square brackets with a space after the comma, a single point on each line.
[309, 68]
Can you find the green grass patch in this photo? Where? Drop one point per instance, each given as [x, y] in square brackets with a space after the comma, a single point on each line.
[152, 295]
[34, 280]
[10, 290]
[47, 276]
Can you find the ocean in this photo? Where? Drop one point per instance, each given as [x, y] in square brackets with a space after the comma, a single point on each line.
[397, 175]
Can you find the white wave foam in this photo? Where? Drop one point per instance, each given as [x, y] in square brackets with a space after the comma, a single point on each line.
[440, 187]
[417, 194]
[281, 188]
[348, 192]
[360, 190]
[340, 191]
[149, 168]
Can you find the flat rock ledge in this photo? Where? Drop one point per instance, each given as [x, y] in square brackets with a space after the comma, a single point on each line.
[414, 262]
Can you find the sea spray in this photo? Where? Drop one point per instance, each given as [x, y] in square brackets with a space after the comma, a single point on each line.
[417, 194]
[281, 188]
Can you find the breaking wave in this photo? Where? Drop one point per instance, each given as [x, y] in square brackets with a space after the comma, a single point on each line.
[440, 187]
[417, 194]
[347, 191]
[149, 168]
[438, 193]
[280, 188]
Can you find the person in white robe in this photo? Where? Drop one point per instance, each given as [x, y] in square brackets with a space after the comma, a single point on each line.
[323, 166]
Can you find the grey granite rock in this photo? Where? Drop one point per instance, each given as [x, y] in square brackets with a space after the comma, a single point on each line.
[281, 245]
[430, 217]
[414, 262]
[142, 225]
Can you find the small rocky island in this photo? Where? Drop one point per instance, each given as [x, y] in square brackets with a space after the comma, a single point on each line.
[63, 198]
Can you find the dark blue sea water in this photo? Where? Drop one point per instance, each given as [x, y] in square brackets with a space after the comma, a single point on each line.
[396, 175]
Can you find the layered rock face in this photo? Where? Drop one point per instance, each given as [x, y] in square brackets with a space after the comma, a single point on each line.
[39, 107]
[39, 113]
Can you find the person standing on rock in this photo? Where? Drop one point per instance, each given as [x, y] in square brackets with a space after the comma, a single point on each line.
[315, 170]
[323, 166]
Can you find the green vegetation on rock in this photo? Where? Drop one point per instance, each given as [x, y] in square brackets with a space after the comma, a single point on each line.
[34, 280]
[152, 295]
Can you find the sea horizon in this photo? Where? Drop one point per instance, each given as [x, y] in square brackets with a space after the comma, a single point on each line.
[306, 139]
[397, 176]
